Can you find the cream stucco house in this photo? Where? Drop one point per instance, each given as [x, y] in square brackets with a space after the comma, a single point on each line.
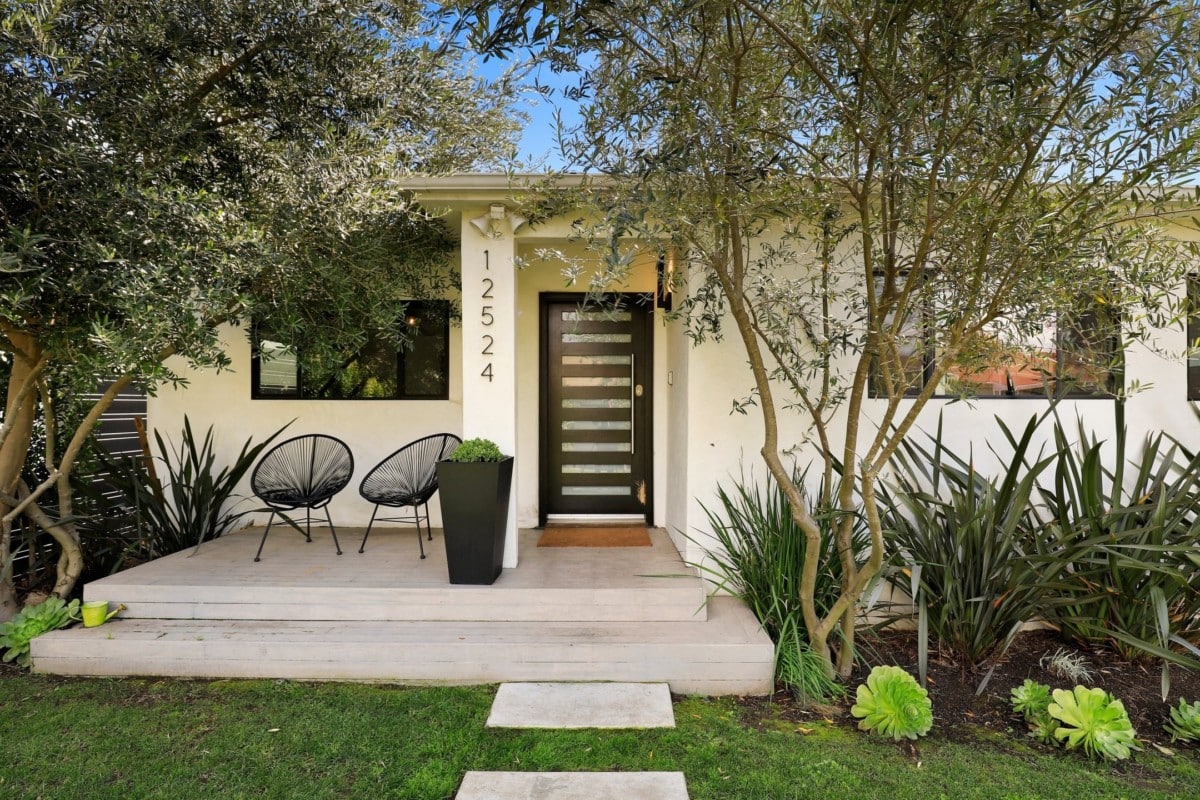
[645, 431]
[607, 414]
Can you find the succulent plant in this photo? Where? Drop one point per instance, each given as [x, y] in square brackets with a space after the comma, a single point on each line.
[891, 703]
[30, 623]
[1185, 722]
[1032, 699]
[1094, 720]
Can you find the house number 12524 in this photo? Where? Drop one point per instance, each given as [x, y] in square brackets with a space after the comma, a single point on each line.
[485, 316]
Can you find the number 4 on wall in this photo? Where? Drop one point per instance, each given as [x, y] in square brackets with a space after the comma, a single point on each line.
[487, 372]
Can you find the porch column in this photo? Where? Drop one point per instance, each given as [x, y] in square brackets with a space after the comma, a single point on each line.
[489, 336]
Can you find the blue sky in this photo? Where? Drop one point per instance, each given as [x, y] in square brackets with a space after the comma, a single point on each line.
[538, 147]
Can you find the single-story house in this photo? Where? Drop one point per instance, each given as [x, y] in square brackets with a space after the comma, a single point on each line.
[616, 415]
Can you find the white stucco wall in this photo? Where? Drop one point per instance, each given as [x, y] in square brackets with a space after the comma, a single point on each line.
[723, 444]
[372, 428]
[698, 442]
[542, 274]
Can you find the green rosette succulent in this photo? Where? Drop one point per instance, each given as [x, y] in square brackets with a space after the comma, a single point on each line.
[1032, 699]
[32, 622]
[891, 703]
[1185, 722]
[1094, 720]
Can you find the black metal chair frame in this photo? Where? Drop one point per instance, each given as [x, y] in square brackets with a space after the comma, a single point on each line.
[415, 496]
[307, 496]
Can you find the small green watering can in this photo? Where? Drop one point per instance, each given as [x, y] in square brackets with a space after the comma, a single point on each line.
[95, 612]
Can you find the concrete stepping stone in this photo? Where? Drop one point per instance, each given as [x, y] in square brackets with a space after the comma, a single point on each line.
[582, 705]
[573, 786]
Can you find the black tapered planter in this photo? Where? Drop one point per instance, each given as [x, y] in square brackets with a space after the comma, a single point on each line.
[474, 498]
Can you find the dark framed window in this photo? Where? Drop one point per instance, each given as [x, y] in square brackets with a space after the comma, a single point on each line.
[376, 369]
[1193, 335]
[1077, 358]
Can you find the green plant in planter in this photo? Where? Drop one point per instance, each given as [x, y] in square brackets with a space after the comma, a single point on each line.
[1032, 699]
[32, 622]
[891, 703]
[477, 450]
[1094, 720]
[1185, 722]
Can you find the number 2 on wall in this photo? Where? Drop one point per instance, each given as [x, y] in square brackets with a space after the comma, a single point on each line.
[486, 317]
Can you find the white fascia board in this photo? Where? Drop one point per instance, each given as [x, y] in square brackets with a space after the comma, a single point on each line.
[473, 189]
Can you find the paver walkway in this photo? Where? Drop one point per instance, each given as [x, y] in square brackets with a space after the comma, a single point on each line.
[582, 705]
[578, 705]
[573, 786]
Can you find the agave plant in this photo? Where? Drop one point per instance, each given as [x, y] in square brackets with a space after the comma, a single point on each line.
[891, 703]
[1094, 720]
[32, 622]
[1185, 722]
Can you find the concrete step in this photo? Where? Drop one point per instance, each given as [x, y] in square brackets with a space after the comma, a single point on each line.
[303, 582]
[725, 654]
[672, 599]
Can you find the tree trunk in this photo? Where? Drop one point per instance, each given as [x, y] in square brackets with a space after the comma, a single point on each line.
[8, 592]
[20, 412]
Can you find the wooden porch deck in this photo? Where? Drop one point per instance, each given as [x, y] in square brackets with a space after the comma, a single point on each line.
[304, 612]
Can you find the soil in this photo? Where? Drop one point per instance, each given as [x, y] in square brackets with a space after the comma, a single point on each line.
[956, 703]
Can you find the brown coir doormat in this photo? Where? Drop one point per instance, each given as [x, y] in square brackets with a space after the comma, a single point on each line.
[595, 536]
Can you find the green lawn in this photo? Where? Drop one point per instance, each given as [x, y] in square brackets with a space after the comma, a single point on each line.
[137, 739]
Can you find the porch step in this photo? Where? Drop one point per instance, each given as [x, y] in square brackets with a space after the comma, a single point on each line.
[673, 600]
[725, 654]
[304, 582]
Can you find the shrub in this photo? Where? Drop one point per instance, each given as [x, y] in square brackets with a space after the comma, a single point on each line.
[477, 450]
[1094, 720]
[198, 506]
[965, 541]
[1185, 722]
[761, 558]
[30, 623]
[891, 703]
[1129, 534]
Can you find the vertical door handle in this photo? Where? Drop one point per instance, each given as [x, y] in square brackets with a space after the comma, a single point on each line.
[632, 415]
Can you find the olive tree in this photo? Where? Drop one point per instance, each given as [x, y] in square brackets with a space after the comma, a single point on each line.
[880, 199]
[171, 166]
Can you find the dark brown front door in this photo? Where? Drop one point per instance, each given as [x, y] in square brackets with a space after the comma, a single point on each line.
[596, 406]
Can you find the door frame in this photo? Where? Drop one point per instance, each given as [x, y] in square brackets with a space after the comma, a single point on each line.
[645, 432]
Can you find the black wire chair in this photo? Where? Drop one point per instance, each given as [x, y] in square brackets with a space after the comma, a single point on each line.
[408, 477]
[304, 472]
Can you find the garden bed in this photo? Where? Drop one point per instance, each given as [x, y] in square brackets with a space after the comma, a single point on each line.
[956, 703]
